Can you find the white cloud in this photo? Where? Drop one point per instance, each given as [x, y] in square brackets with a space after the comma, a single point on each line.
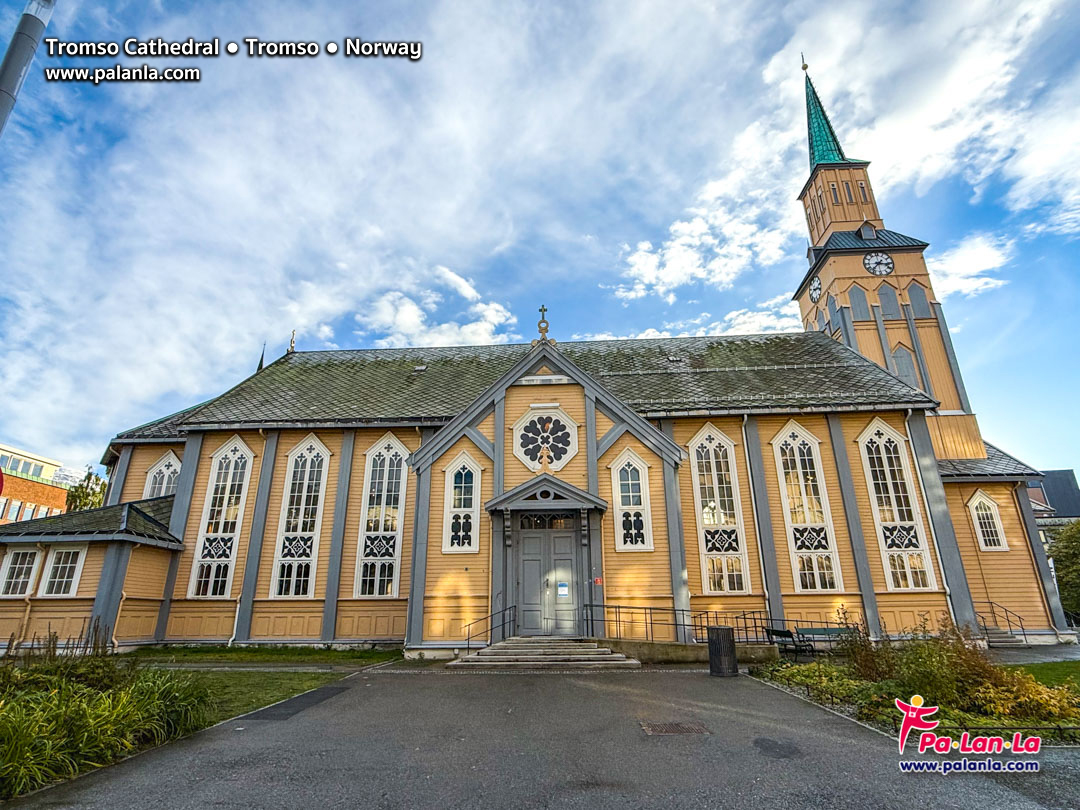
[963, 269]
[779, 314]
[403, 323]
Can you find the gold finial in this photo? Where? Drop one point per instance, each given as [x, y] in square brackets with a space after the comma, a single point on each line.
[803, 60]
[545, 460]
[292, 342]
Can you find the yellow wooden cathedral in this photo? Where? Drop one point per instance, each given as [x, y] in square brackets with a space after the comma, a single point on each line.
[429, 495]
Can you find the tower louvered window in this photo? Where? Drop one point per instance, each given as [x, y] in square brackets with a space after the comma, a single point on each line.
[296, 549]
[896, 514]
[461, 517]
[806, 513]
[379, 557]
[215, 554]
[721, 534]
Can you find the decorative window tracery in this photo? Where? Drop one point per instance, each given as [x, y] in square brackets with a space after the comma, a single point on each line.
[806, 510]
[461, 516]
[630, 492]
[721, 535]
[545, 430]
[904, 550]
[379, 558]
[297, 544]
[986, 517]
[559, 521]
[223, 513]
[163, 476]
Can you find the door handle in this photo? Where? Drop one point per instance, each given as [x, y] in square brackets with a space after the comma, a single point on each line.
[547, 582]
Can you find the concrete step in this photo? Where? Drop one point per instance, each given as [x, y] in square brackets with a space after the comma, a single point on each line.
[552, 643]
[499, 660]
[492, 652]
[481, 663]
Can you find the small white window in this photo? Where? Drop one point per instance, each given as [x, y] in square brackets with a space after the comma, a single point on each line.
[13, 511]
[222, 519]
[297, 546]
[3, 507]
[42, 511]
[18, 571]
[630, 491]
[63, 567]
[461, 515]
[986, 517]
[162, 477]
[378, 562]
[896, 510]
[28, 511]
[721, 535]
[806, 510]
[56, 511]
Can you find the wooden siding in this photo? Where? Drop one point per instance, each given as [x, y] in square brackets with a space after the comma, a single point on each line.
[143, 457]
[146, 572]
[458, 585]
[571, 399]
[956, 436]
[1008, 578]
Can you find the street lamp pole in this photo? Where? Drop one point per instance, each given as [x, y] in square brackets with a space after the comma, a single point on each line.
[20, 53]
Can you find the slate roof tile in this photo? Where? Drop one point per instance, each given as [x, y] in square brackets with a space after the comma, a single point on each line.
[146, 519]
[997, 464]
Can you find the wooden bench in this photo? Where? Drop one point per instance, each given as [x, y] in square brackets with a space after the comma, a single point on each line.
[788, 642]
[832, 635]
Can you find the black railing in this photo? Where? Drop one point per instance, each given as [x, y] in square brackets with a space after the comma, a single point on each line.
[1072, 619]
[647, 623]
[991, 614]
[501, 619]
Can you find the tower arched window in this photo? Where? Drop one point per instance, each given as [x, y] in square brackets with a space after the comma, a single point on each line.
[806, 510]
[297, 547]
[162, 477]
[718, 508]
[461, 517]
[896, 511]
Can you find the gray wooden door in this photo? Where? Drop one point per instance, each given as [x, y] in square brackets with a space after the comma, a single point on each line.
[547, 576]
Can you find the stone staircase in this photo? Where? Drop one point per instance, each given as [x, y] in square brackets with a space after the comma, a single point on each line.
[545, 652]
[997, 637]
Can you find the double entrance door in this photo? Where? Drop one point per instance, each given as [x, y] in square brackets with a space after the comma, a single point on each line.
[547, 573]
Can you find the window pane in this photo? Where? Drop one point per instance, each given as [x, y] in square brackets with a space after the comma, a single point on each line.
[62, 574]
[20, 567]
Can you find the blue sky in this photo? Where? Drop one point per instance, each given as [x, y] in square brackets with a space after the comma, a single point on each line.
[633, 166]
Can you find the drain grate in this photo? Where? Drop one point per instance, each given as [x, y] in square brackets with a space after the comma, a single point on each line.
[673, 728]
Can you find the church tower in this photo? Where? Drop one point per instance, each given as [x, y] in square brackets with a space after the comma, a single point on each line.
[868, 286]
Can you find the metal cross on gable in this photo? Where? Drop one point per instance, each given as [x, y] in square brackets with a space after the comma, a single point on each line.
[542, 327]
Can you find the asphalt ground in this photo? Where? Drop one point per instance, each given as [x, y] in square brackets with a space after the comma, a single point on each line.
[431, 738]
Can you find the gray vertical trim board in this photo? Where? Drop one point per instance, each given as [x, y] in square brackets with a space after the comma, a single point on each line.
[255, 539]
[946, 338]
[952, 565]
[110, 589]
[680, 586]
[596, 569]
[414, 629]
[883, 339]
[185, 487]
[854, 526]
[916, 344]
[763, 518]
[1046, 577]
[499, 444]
[498, 571]
[116, 480]
[590, 443]
[847, 329]
[337, 536]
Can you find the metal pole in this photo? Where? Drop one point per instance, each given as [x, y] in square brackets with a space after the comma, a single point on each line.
[20, 53]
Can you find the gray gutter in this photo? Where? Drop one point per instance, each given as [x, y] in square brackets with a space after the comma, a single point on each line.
[90, 537]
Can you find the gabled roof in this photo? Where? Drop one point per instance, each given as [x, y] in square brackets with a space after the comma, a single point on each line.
[144, 522]
[851, 242]
[712, 375]
[1062, 492]
[997, 465]
[545, 491]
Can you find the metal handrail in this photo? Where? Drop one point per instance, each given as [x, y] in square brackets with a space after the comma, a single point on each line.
[1072, 618]
[509, 617]
[1007, 614]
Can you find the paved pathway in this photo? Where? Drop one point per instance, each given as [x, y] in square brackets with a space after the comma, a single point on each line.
[1036, 654]
[428, 739]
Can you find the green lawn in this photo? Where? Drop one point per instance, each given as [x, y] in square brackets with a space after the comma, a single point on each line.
[1054, 673]
[240, 692]
[214, 654]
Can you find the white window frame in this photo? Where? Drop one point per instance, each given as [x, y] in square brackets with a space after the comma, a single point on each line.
[311, 444]
[981, 497]
[5, 568]
[880, 525]
[462, 459]
[17, 505]
[237, 448]
[388, 442]
[50, 559]
[169, 458]
[628, 456]
[827, 523]
[710, 434]
[28, 510]
[3, 508]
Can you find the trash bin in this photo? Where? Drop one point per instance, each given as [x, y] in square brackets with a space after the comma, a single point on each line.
[722, 660]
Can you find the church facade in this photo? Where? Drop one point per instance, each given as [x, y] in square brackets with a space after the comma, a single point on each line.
[426, 495]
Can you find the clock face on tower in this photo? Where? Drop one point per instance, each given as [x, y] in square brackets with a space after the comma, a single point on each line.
[815, 289]
[878, 264]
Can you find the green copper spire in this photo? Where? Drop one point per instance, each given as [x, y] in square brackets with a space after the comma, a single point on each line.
[824, 145]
